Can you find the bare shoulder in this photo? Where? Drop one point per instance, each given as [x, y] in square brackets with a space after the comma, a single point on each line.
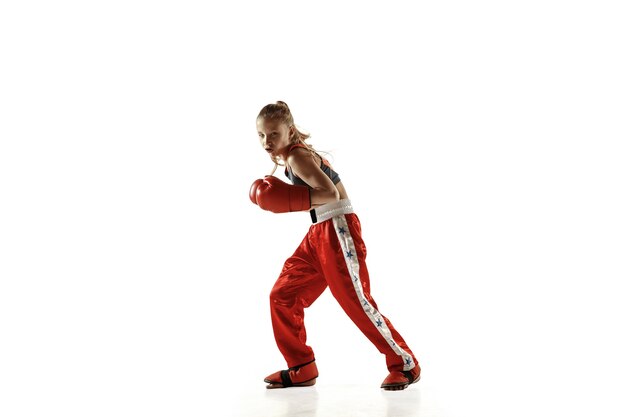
[301, 160]
[304, 164]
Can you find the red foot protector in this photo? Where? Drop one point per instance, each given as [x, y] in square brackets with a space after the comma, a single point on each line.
[399, 380]
[299, 376]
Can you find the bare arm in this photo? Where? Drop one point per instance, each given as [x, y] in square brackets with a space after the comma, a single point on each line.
[307, 168]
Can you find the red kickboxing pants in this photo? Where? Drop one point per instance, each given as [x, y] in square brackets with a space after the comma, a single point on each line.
[332, 254]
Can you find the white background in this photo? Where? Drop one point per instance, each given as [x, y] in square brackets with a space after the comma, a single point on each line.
[481, 143]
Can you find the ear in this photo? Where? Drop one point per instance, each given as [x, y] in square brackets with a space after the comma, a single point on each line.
[292, 131]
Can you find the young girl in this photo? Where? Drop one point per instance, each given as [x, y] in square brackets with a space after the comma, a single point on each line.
[332, 254]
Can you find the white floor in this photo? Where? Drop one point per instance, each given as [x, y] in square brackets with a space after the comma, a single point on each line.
[345, 400]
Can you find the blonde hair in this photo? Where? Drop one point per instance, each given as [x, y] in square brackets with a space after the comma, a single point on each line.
[280, 111]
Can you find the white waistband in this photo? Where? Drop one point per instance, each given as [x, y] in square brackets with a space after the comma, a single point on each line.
[330, 210]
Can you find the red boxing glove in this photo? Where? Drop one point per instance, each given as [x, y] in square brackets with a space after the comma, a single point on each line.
[253, 190]
[277, 196]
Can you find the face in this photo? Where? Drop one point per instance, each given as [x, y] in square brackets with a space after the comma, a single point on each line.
[274, 136]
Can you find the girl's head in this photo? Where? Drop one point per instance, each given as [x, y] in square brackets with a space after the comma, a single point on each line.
[277, 130]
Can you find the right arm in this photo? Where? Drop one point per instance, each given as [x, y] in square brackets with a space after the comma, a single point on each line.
[306, 167]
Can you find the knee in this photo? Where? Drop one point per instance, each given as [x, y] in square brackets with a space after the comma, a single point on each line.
[279, 296]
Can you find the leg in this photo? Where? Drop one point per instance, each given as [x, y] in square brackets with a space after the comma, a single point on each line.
[297, 287]
[348, 280]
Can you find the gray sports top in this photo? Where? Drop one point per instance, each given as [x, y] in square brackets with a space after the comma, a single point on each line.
[295, 180]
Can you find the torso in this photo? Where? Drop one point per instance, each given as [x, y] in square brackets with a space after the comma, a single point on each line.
[343, 194]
